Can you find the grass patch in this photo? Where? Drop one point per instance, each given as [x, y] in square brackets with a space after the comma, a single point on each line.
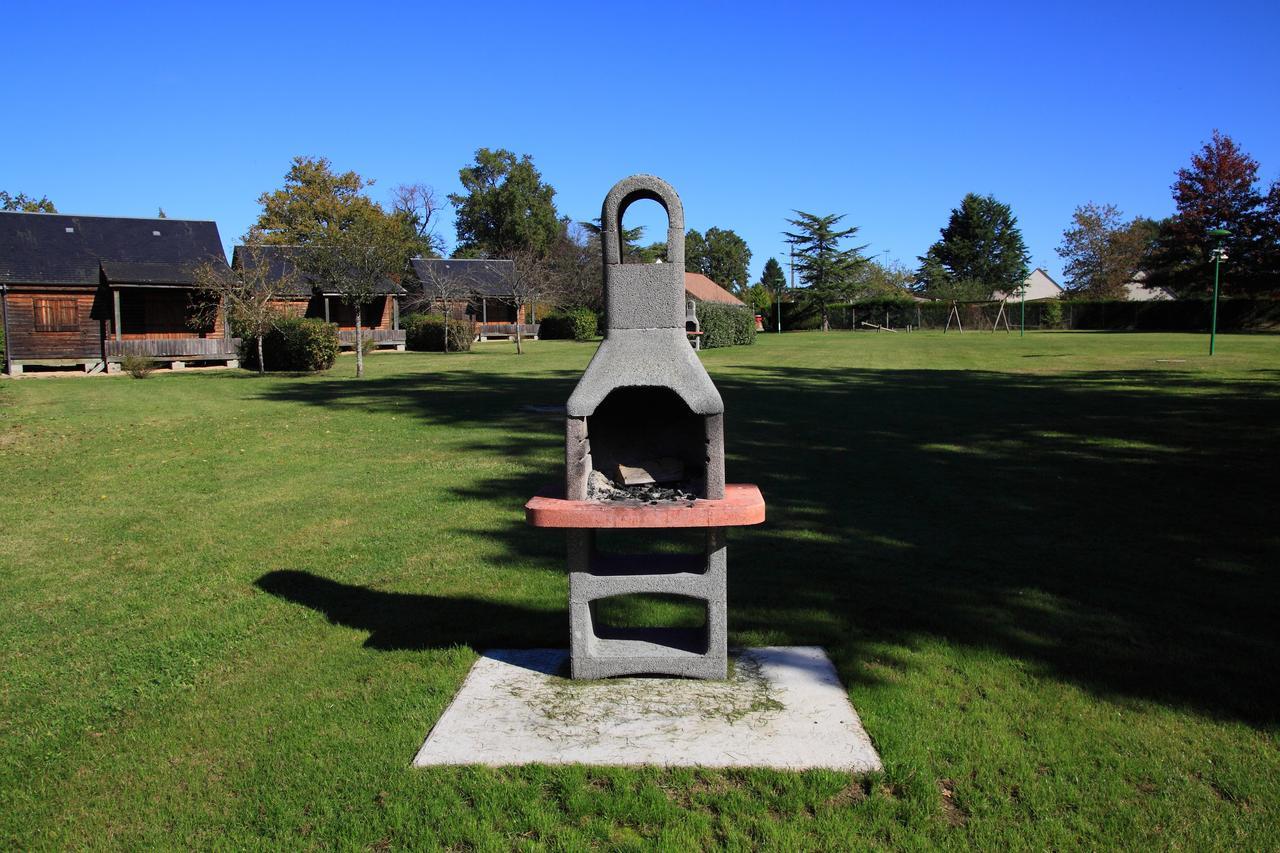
[1045, 568]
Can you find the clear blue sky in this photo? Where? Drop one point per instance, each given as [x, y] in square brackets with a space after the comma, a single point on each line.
[885, 113]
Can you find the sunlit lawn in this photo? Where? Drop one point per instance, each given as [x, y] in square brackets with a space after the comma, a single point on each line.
[1046, 569]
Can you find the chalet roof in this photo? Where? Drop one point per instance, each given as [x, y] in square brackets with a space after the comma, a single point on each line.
[67, 250]
[484, 277]
[704, 289]
[283, 263]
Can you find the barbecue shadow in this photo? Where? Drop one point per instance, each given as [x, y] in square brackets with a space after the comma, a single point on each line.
[397, 621]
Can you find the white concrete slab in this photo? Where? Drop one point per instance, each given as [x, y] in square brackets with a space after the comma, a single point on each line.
[781, 707]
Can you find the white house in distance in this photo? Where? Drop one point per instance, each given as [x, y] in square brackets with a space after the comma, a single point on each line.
[1136, 290]
[1039, 285]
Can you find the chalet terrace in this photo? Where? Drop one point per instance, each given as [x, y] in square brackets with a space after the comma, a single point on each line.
[479, 290]
[302, 297]
[86, 291]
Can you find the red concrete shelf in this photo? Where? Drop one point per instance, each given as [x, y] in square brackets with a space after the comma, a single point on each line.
[741, 505]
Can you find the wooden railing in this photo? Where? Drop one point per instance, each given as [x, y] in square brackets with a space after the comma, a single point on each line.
[487, 330]
[393, 336]
[174, 347]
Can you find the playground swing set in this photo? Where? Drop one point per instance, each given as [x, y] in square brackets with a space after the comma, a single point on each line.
[978, 309]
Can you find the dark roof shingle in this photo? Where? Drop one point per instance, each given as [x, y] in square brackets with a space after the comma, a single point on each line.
[284, 262]
[488, 278]
[58, 249]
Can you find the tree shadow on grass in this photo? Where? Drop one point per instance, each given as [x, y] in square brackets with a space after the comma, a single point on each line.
[1114, 529]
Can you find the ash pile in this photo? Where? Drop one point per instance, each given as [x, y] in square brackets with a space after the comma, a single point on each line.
[661, 480]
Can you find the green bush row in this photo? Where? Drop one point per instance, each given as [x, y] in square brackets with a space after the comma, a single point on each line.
[295, 343]
[577, 324]
[725, 325]
[426, 333]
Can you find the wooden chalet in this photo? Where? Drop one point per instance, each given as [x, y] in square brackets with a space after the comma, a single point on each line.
[483, 289]
[86, 291]
[380, 317]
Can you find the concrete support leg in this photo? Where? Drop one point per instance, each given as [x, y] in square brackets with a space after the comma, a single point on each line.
[601, 651]
[178, 365]
[233, 362]
[15, 368]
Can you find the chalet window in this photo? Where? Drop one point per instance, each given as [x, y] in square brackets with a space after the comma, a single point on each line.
[59, 314]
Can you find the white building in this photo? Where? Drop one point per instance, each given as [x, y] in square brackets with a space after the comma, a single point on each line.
[1039, 285]
[1136, 290]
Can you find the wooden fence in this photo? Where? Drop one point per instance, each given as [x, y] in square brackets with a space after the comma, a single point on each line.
[174, 347]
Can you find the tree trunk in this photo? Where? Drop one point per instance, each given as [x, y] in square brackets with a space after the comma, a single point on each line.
[444, 313]
[359, 345]
[519, 350]
[262, 368]
[826, 319]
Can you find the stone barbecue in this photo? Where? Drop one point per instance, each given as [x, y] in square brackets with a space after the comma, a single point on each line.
[644, 448]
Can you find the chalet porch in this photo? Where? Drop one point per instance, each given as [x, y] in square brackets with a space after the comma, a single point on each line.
[379, 319]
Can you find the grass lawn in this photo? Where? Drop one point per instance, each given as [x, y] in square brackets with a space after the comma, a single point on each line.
[1046, 569]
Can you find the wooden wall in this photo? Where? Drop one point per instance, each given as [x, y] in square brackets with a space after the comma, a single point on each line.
[161, 313]
[25, 342]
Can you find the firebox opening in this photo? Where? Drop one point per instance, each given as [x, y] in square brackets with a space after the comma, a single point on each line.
[647, 445]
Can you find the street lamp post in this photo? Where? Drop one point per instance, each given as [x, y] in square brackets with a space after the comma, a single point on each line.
[1219, 255]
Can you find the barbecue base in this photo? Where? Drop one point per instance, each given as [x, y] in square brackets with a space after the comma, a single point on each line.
[599, 651]
[781, 707]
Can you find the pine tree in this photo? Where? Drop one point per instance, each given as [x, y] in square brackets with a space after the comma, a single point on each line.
[825, 268]
[981, 251]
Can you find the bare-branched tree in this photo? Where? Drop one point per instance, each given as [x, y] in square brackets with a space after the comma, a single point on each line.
[416, 205]
[441, 288]
[530, 279]
[246, 296]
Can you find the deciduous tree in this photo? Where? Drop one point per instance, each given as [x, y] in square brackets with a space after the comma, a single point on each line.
[505, 207]
[825, 267]
[246, 295]
[1103, 252]
[980, 251]
[721, 255]
[348, 243]
[1218, 189]
[417, 207]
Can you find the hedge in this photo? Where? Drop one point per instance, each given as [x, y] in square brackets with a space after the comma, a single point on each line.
[579, 324]
[1178, 315]
[725, 325]
[425, 333]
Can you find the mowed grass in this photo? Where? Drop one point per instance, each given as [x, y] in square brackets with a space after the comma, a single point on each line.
[1046, 569]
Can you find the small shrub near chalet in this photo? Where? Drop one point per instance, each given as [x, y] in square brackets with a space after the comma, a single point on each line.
[578, 324]
[294, 343]
[425, 333]
[725, 325]
[137, 366]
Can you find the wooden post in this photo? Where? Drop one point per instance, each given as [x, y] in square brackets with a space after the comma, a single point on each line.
[395, 313]
[326, 308]
[484, 310]
[115, 298]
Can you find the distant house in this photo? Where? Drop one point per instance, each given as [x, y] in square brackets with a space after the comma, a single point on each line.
[482, 293]
[86, 291]
[1039, 285]
[379, 317]
[1137, 290]
[699, 288]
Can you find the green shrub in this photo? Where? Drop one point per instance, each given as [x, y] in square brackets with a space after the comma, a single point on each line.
[1051, 315]
[295, 343]
[138, 366]
[725, 325]
[425, 333]
[578, 324]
